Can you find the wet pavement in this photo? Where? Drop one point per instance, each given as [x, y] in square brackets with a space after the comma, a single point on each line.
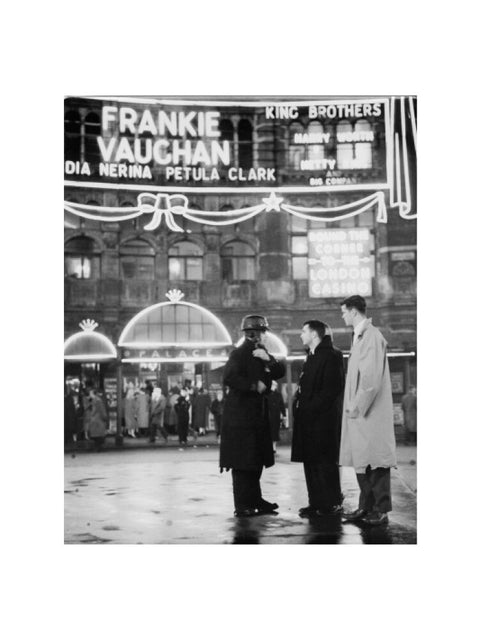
[171, 496]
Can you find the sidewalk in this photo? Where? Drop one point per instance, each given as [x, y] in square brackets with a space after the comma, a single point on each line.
[406, 455]
[165, 495]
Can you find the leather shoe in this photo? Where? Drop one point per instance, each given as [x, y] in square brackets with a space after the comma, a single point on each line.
[267, 507]
[307, 511]
[356, 515]
[246, 512]
[333, 510]
[375, 519]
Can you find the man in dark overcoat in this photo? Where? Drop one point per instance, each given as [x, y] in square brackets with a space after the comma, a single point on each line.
[246, 442]
[317, 420]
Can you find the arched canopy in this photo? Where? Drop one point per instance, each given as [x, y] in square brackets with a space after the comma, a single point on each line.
[273, 344]
[174, 323]
[88, 346]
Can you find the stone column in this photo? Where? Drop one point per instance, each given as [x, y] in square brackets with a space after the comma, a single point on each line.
[275, 286]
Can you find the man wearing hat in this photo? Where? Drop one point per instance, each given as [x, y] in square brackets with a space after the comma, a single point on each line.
[246, 443]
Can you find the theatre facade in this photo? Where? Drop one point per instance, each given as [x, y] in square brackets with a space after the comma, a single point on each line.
[184, 214]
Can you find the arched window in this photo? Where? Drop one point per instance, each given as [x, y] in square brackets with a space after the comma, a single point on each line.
[245, 148]
[82, 258]
[92, 131]
[296, 147]
[238, 261]
[354, 145]
[316, 148]
[137, 260]
[185, 261]
[344, 144]
[72, 135]
[363, 147]
[226, 130]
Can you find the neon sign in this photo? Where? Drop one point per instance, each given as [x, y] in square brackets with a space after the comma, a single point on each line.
[161, 148]
[88, 346]
[161, 322]
[340, 262]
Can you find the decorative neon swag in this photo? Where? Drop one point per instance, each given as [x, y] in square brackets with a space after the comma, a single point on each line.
[166, 207]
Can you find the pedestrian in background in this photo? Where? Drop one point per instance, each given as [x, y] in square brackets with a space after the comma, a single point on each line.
[317, 420]
[171, 419]
[246, 441]
[276, 413]
[216, 409]
[368, 440]
[409, 408]
[130, 410]
[95, 418]
[143, 410]
[71, 422]
[157, 415]
[181, 408]
[200, 408]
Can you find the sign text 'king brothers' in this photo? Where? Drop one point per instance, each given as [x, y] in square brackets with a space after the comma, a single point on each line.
[326, 144]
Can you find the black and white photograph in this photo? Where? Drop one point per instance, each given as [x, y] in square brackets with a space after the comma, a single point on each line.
[240, 319]
[244, 329]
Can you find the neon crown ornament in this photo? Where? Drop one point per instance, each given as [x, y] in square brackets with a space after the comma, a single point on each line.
[174, 295]
[88, 325]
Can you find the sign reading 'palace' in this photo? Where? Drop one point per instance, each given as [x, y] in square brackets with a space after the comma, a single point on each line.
[212, 145]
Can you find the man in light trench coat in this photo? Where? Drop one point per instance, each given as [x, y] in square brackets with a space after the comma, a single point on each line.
[368, 440]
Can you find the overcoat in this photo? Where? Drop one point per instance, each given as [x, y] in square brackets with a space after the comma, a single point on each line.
[130, 412]
[143, 410]
[216, 409]
[171, 418]
[181, 409]
[246, 442]
[95, 417]
[276, 408]
[71, 421]
[409, 406]
[158, 412]
[200, 406]
[369, 439]
[317, 415]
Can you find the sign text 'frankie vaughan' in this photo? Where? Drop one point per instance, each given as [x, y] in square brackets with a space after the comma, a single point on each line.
[318, 146]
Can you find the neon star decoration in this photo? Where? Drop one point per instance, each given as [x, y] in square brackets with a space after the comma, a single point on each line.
[272, 202]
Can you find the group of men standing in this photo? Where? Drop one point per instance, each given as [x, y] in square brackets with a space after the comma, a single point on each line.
[336, 421]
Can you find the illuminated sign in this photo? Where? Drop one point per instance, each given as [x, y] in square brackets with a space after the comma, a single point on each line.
[205, 146]
[172, 354]
[340, 262]
[161, 152]
[88, 346]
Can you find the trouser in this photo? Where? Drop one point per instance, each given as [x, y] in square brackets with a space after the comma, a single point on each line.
[153, 432]
[246, 488]
[182, 430]
[410, 436]
[375, 494]
[323, 485]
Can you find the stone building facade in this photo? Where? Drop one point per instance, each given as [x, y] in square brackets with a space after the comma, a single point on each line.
[115, 269]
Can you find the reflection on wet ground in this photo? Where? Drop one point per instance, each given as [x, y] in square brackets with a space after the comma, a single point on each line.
[326, 530]
[173, 497]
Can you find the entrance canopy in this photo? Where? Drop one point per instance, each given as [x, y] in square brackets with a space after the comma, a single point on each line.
[88, 346]
[174, 324]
